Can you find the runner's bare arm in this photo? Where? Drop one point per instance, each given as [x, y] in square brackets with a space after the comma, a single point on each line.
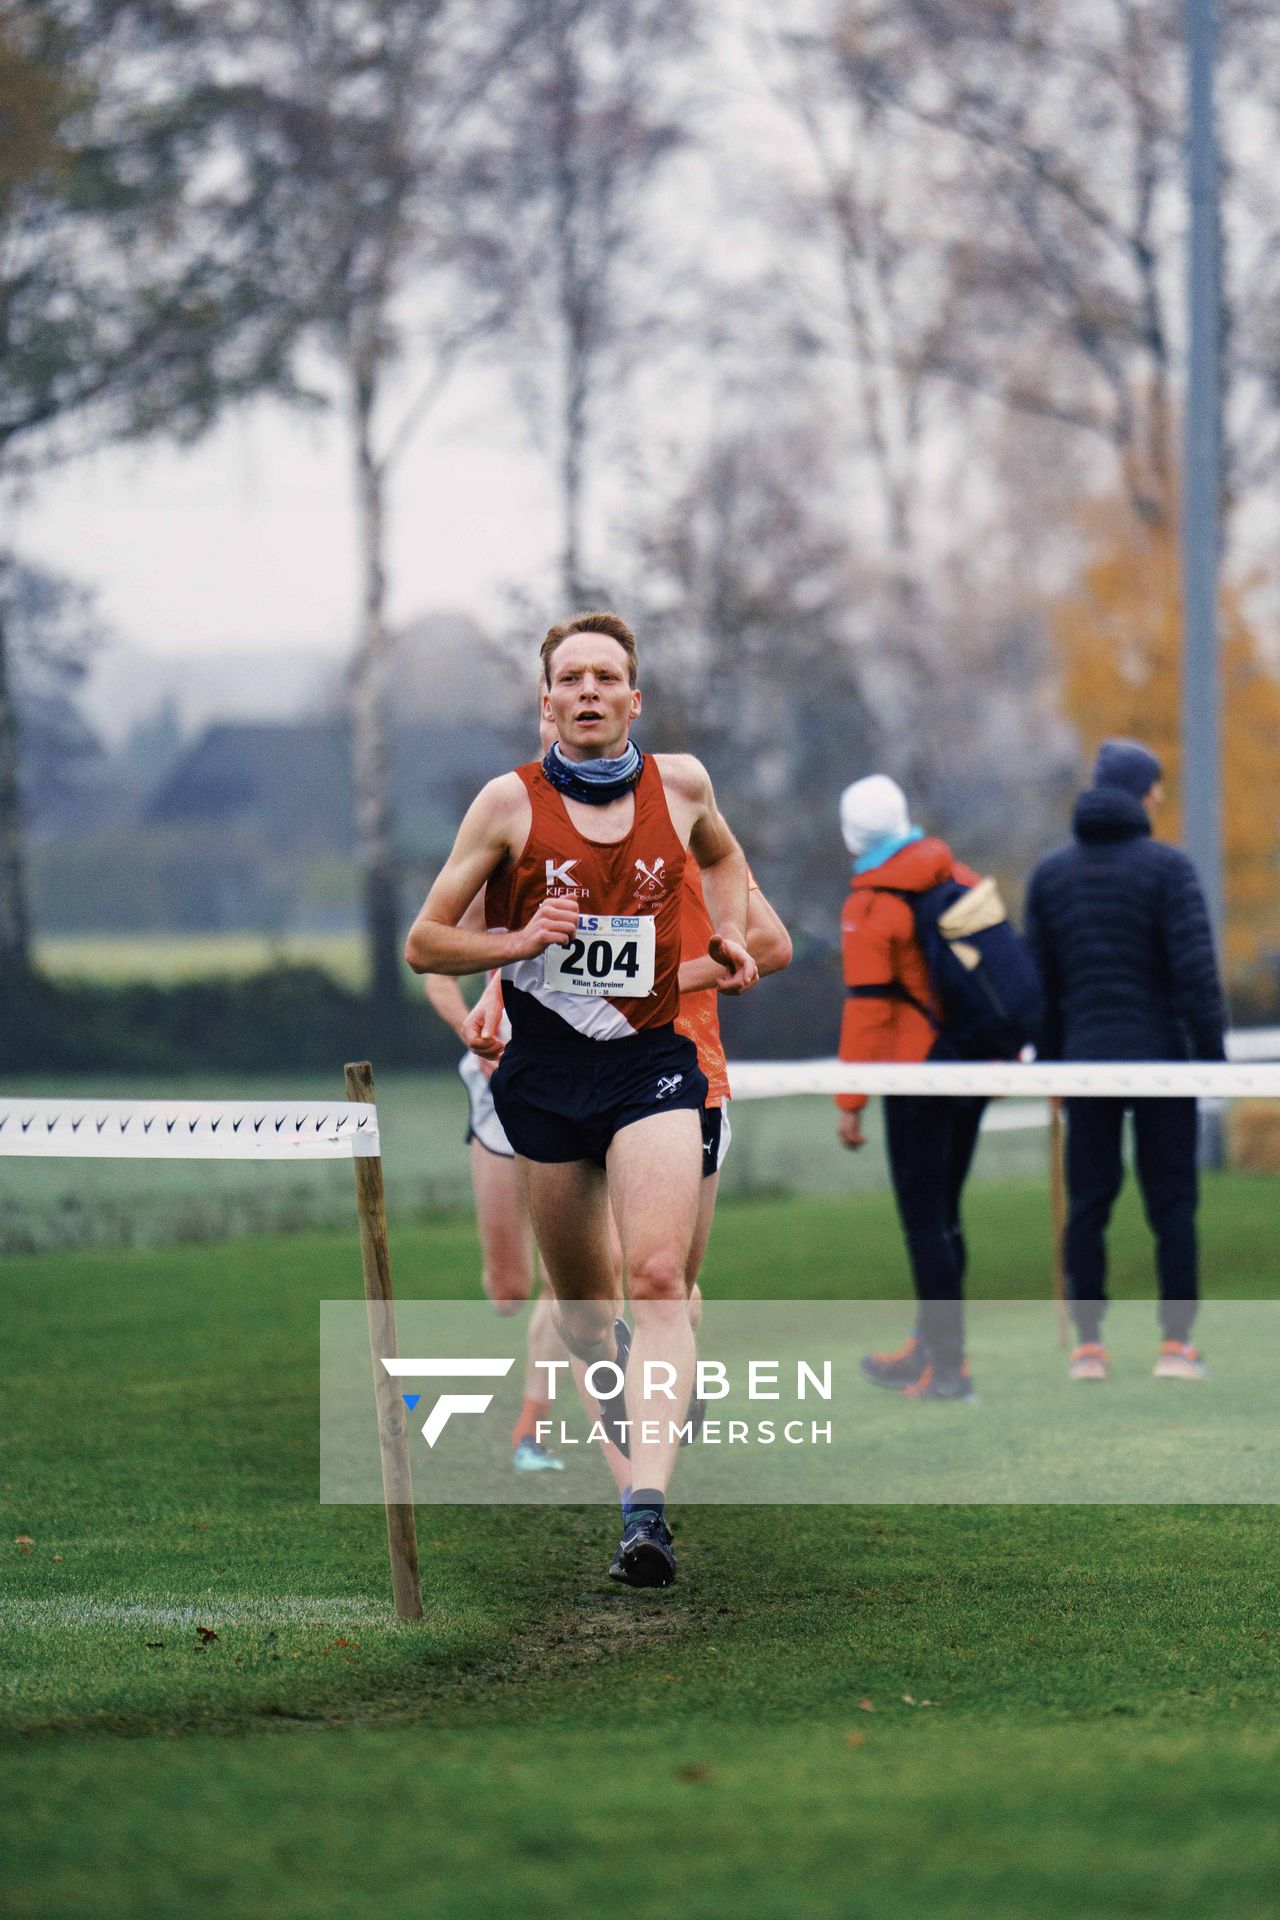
[444, 995]
[724, 870]
[768, 943]
[436, 942]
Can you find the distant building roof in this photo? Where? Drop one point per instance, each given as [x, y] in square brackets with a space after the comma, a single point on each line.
[291, 781]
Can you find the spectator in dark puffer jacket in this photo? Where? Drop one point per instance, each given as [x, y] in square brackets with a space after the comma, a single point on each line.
[1119, 929]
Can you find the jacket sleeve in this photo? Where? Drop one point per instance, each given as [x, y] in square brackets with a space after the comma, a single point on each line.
[1193, 966]
[867, 1025]
[1039, 939]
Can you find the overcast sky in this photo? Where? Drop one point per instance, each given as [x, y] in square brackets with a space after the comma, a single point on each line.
[248, 539]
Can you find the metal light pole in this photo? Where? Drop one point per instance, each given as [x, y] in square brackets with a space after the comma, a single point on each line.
[1202, 492]
[1202, 463]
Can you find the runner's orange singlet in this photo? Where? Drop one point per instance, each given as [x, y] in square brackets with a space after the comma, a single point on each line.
[639, 877]
[699, 1015]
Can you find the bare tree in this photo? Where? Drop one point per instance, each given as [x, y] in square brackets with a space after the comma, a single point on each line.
[1051, 140]
[123, 310]
[367, 130]
[595, 126]
[762, 661]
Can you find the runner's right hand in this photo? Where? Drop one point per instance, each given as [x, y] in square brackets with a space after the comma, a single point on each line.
[553, 925]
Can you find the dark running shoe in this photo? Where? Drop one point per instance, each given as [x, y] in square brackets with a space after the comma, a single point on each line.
[645, 1556]
[900, 1369]
[613, 1411]
[942, 1383]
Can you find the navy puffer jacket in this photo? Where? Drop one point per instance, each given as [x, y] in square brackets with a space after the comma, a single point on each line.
[1118, 927]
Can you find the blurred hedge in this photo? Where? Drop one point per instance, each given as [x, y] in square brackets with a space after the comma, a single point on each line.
[286, 1017]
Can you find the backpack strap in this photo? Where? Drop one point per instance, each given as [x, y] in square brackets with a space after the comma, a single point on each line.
[893, 990]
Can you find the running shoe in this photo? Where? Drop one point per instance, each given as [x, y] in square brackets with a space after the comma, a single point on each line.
[900, 1369]
[532, 1457]
[942, 1383]
[1178, 1361]
[1088, 1362]
[613, 1411]
[645, 1556]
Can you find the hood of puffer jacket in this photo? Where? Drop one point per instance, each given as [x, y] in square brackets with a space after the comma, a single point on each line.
[1108, 813]
[913, 869]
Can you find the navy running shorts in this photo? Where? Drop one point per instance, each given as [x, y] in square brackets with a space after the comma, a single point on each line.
[716, 1136]
[568, 1104]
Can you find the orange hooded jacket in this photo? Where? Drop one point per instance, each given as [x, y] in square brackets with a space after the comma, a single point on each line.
[879, 945]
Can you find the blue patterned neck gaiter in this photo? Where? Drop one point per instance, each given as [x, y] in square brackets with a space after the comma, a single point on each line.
[594, 781]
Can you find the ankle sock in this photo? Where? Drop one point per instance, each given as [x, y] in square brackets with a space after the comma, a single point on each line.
[526, 1427]
[646, 1499]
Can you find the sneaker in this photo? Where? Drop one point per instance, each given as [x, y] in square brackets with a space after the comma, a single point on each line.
[532, 1457]
[942, 1383]
[1178, 1361]
[613, 1411]
[900, 1369]
[1088, 1362]
[645, 1556]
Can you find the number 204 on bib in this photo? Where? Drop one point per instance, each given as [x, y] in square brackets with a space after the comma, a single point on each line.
[611, 953]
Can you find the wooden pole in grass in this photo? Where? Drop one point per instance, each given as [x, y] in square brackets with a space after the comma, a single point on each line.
[1058, 1213]
[375, 1257]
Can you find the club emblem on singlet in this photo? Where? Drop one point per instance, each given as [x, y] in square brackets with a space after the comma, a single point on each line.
[650, 879]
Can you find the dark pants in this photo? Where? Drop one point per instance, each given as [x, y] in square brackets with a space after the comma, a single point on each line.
[931, 1140]
[1165, 1155]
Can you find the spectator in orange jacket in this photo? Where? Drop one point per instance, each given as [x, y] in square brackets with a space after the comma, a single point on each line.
[890, 1014]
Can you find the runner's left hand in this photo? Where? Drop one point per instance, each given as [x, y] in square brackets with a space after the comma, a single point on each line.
[741, 970]
[482, 1028]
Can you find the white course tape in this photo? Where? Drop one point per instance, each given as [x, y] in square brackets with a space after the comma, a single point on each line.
[1254, 1043]
[188, 1129]
[1036, 1080]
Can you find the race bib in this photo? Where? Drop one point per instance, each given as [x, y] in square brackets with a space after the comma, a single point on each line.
[611, 953]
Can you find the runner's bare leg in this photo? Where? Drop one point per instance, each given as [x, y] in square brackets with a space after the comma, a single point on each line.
[568, 1203]
[569, 1206]
[655, 1170]
[502, 1221]
[544, 1345]
[698, 1250]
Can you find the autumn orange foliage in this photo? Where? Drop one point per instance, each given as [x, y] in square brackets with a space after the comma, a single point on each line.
[1119, 638]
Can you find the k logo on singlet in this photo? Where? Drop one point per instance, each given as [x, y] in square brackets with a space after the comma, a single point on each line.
[560, 873]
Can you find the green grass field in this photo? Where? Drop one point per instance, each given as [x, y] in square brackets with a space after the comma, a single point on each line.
[115, 959]
[205, 1704]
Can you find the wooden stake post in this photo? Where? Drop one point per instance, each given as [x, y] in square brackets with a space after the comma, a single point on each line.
[375, 1256]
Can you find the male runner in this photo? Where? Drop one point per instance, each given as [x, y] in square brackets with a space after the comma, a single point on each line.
[769, 945]
[583, 856]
